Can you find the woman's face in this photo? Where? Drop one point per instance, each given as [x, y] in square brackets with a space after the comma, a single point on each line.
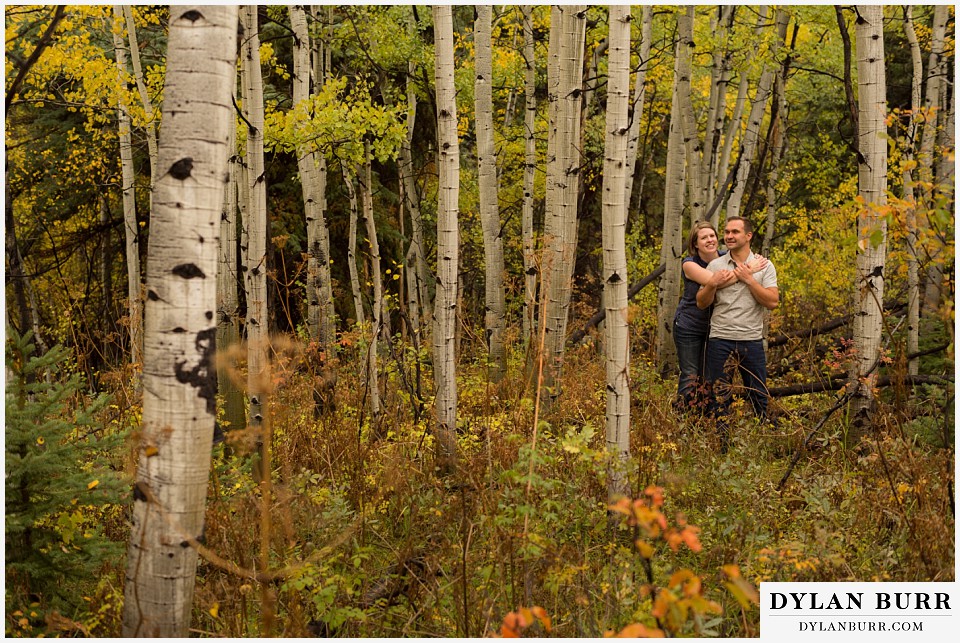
[707, 240]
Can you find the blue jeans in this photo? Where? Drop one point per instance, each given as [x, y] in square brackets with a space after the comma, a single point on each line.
[690, 355]
[751, 361]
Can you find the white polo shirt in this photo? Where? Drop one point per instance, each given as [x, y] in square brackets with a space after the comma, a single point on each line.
[736, 314]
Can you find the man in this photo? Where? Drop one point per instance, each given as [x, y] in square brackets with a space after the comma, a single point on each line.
[739, 297]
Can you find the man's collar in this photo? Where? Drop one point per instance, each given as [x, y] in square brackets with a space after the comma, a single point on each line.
[731, 260]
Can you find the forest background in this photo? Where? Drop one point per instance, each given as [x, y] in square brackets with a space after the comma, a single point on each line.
[392, 468]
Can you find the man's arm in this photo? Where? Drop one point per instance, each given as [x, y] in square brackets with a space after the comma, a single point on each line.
[769, 298]
[708, 291]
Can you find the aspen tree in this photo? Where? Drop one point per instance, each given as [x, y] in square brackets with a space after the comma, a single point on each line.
[752, 134]
[529, 170]
[352, 249]
[144, 94]
[320, 309]
[562, 237]
[926, 159]
[179, 401]
[639, 95]
[495, 307]
[871, 220]
[444, 312]
[615, 276]
[377, 310]
[256, 224]
[671, 248]
[228, 300]
[909, 195]
[130, 229]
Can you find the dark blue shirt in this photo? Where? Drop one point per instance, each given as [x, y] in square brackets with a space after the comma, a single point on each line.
[689, 317]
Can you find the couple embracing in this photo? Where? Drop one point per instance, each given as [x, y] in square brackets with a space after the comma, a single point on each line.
[720, 316]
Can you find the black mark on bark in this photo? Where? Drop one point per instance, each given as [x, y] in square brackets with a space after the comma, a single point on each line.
[203, 376]
[182, 168]
[188, 271]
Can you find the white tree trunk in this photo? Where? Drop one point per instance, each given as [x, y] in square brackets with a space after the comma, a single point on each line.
[131, 231]
[495, 307]
[639, 95]
[615, 277]
[179, 405]
[561, 255]
[377, 311]
[313, 181]
[352, 250]
[671, 248]
[719, 79]
[448, 253]
[751, 136]
[909, 196]
[776, 154]
[927, 158]
[144, 96]
[228, 300]
[529, 170]
[688, 120]
[256, 223]
[871, 221]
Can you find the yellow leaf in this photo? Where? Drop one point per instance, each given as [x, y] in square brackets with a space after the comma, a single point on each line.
[215, 610]
[40, 441]
[93, 484]
[151, 451]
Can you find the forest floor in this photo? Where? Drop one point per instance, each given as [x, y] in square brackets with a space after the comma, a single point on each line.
[366, 540]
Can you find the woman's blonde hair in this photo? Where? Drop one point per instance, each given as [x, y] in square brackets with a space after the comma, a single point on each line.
[694, 233]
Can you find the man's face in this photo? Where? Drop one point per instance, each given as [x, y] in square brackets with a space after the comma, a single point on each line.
[735, 237]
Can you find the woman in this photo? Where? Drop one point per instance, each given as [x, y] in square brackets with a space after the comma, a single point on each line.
[691, 325]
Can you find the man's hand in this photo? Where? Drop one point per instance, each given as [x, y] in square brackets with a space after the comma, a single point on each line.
[766, 297]
[723, 278]
[743, 272]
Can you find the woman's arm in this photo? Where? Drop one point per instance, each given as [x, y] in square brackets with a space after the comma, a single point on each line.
[759, 263]
[695, 273]
[703, 276]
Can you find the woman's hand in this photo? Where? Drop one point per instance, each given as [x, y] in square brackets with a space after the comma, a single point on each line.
[759, 263]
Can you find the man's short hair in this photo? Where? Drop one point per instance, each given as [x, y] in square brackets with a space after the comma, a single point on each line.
[747, 226]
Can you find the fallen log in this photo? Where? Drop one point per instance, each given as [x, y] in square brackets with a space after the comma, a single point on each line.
[833, 324]
[602, 313]
[838, 382]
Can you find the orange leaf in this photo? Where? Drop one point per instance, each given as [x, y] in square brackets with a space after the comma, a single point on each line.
[542, 616]
[638, 630]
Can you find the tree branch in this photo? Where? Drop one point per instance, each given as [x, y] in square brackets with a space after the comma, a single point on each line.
[45, 40]
[602, 313]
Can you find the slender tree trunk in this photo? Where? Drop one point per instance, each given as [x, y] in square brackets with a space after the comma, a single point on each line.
[377, 312]
[691, 137]
[779, 135]
[871, 221]
[228, 300]
[352, 250]
[562, 248]
[529, 170]
[130, 228]
[719, 79]
[179, 405]
[407, 175]
[144, 95]
[749, 146]
[671, 249]
[927, 158]
[256, 226]
[313, 181]
[494, 304]
[909, 196]
[106, 270]
[733, 128]
[448, 254]
[639, 96]
[615, 276]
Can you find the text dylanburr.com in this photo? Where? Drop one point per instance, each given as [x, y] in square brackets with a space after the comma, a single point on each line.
[859, 611]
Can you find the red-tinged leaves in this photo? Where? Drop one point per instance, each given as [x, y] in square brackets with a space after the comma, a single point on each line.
[515, 622]
[635, 631]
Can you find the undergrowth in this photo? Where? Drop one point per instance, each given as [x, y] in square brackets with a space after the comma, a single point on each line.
[366, 540]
